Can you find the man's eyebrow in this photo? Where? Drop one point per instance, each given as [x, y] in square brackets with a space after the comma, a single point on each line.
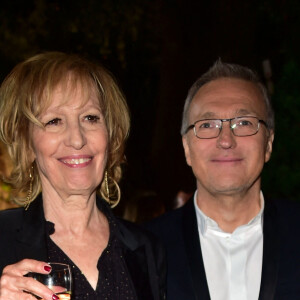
[207, 115]
[243, 112]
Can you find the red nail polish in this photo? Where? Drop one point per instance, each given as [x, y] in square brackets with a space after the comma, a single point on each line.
[47, 268]
[54, 297]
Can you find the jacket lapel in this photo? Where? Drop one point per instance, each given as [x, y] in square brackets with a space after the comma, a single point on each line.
[31, 236]
[137, 265]
[270, 253]
[137, 259]
[194, 254]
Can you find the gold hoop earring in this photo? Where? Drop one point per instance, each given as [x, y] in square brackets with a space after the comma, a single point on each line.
[106, 186]
[29, 194]
[114, 197]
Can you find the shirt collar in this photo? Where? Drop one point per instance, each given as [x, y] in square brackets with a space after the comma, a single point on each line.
[204, 221]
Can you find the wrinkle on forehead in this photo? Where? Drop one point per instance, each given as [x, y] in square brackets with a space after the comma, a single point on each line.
[227, 98]
[238, 113]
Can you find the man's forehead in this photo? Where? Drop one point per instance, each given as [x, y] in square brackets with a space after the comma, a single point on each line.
[236, 113]
[228, 84]
[240, 96]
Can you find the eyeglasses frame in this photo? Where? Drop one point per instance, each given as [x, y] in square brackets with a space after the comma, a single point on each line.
[193, 126]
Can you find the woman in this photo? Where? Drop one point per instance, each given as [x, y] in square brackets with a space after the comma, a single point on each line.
[65, 121]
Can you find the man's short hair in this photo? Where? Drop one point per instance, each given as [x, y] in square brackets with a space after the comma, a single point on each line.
[225, 70]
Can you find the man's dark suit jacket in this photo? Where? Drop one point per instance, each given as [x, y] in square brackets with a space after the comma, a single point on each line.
[22, 235]
[186, 278]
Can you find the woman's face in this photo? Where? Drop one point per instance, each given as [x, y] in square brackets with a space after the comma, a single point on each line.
[71, 150]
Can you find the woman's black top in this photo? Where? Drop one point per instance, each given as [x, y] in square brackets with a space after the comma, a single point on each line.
[114, 280]
[23, 235]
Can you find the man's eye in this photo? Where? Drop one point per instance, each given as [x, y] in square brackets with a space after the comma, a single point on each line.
[92, 119]
[206, 125]
[54, 122]
[244, 123]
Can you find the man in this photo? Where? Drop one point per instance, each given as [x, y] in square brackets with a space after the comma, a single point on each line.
[228, 242]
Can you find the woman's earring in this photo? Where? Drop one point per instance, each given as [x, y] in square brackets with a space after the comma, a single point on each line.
[106, 186]
[111, 195]
[29, 194]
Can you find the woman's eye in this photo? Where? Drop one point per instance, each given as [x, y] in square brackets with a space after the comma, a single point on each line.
[92, 119]
[54, 122]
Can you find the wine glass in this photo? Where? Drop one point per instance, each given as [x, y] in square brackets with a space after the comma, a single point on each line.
[59, 280]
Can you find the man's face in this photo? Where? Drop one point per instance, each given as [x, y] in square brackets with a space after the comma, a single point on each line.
[227, 164]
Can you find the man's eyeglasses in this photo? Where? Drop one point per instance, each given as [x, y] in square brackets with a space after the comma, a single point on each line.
[240, 126]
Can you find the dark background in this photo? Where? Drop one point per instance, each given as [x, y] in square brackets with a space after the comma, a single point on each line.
[156, 50]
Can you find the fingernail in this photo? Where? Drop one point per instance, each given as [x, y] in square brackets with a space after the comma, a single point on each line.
[54, 297]
[47, 268]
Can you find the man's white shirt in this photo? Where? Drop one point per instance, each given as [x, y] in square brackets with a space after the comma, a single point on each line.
[232, 261]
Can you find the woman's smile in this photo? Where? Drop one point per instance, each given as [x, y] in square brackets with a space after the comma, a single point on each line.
[76, 161]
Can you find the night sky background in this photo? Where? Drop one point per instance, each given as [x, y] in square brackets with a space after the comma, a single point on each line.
[156, 50]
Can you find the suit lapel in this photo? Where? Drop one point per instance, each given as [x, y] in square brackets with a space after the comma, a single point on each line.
[194, 254]
[31, 236]
[270, 253]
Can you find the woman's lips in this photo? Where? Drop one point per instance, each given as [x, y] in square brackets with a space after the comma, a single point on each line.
[76, 162]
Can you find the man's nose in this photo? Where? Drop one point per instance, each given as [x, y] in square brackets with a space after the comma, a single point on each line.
[75, 136]
[226, 139]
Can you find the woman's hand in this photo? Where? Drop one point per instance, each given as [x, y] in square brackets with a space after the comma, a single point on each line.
[14, 286]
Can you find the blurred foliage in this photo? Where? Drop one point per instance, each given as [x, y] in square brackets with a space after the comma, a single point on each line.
[4, 191]
[281, 176]
[5, 197]
[279, 39]
[279, 26]
[101, 29]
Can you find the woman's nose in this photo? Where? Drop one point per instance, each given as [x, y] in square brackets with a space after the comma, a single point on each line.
[75, 136]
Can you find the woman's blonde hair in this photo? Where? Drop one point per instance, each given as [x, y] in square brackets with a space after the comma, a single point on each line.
[26, 93]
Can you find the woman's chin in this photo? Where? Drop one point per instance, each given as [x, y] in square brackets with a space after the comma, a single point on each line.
[79, 189]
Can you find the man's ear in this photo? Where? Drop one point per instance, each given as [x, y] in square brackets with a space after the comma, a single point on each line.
[269, 146]
[186, 148]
